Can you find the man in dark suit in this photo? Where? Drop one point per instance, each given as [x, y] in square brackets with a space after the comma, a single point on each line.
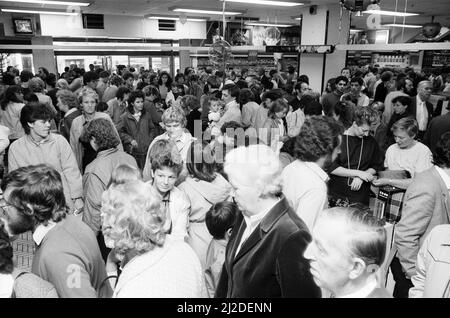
[438, 126]
[349, 247]
[421, 108]
[264, 256]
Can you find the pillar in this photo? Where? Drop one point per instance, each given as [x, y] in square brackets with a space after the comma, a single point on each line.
[321, 27]
[185, 59]
[44, 58]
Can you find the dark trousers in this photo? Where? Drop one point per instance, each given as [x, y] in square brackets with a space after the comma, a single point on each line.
[402, 284]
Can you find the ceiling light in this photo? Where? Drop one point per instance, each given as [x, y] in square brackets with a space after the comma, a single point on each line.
[390, 13]
[395, 25]
[205, 11]
[268, 3]
[62, 3]
[299, 18]
[40, 12]
[269, 24]
[175, 18]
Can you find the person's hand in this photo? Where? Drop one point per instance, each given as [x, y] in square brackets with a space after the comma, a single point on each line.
[356, 184]
[381, 182]
[365, 176]
[134, 143]
[78, 206]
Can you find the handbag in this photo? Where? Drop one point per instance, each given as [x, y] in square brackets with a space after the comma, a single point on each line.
[389, 201]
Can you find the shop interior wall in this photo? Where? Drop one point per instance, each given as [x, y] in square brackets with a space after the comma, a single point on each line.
[120, 26]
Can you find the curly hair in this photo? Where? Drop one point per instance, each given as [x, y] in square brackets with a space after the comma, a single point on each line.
[68, 98]
[318, 137]
[174, 114]
[441, 157]
[87, 92]
[36, 85]
[190, 102]
[132, 217]
[6, 252]
[104, 133]
[37, 191]
[169, 79]
[364, 116]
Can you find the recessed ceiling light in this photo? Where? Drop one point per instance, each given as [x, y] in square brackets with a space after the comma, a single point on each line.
[268, 3]
[175, 18]
[395, 25]
[391, 13]
[205, 11]
[40, 12]
[269, 24]
[62, 3]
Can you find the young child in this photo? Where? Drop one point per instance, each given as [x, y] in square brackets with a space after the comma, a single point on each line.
[214, 115]
[219, 221]
[136, 128]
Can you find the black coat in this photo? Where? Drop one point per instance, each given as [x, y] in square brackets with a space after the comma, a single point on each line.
[270, 263]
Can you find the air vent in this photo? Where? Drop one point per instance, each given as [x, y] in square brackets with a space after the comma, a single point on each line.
[93, 21]
[166, 25]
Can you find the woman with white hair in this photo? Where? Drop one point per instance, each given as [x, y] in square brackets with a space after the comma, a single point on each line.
[153, 264]
[268, 239]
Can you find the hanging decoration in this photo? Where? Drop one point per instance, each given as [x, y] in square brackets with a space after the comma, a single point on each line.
[272, 35]
[219, 53]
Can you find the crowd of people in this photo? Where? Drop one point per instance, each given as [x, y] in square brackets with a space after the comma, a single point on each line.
[224, 184]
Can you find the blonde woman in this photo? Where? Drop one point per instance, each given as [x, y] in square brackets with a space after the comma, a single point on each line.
[153, 264]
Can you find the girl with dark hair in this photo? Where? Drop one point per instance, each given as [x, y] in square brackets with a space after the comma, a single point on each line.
[136, 128]
[204, 187]
[164, 84]
[39, 145]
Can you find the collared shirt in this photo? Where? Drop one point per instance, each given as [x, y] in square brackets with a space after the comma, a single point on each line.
[445, 177]
[252, 223]
[305, 188]
[365, 291]
[422, 114]
[137, 116]
[41, 231]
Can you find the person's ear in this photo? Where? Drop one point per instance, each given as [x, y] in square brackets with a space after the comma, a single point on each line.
[152, 174]
[358, 268]
[228, 233]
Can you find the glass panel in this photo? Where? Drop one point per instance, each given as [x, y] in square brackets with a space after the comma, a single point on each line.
[137, 62]
[18, 60]
[176, 61]
[118, 60]
[161, 63]
[78, 60]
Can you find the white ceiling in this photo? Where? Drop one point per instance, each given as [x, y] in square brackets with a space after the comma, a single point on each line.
[439, 8]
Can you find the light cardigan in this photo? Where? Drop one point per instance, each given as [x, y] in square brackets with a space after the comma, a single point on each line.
[170, 271]
[76, 131]
[55, 151]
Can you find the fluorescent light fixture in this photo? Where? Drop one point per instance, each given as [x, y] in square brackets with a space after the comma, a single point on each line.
[391, 13]
[175, 18]
[268, 3]
[205, 11]
[396, 25]
[40, 12]
[355, 30]
[299, 18]
[62, 3]
[269, 24]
